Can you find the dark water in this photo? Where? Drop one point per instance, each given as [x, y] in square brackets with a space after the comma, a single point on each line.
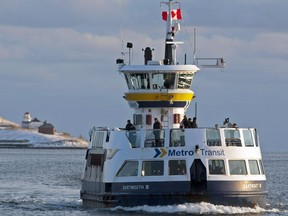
[47, 182]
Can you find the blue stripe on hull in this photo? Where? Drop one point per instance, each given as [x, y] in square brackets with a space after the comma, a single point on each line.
[242, 200]
[235, 193]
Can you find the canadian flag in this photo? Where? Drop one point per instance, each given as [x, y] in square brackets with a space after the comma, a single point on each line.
[175, 14]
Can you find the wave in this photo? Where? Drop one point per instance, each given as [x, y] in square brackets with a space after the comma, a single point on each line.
[196, 208]
[38, 201]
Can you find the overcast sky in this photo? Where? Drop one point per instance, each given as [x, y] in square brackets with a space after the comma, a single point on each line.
[57, 61]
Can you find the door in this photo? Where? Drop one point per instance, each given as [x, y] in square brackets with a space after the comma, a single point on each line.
[198, 176]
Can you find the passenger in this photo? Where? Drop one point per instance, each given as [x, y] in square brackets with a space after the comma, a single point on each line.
[166, 83]
[194, 123]
[235, 125]
[129, 126]
[185, 122]
[190, 122]
[227, 123]
[157, 127]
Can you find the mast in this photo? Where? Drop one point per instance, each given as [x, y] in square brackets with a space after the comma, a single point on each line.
[168, 59]
[160, 89]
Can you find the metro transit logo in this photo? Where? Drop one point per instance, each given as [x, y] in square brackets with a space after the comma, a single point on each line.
[160, 152]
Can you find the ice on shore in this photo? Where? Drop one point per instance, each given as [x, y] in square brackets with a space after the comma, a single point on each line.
[16, 137]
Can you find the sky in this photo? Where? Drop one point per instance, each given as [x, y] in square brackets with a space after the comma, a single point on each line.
[58, 61]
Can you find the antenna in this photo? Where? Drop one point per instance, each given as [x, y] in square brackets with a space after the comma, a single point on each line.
[194, 48]
[210, 62]
[196, 109]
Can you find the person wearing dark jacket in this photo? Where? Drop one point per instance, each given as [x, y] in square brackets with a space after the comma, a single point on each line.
[129, 126]
[157, 127]
[194, 123]
[184, 123]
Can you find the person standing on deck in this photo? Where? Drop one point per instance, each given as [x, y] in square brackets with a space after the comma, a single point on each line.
[129, 126]
[185, 122]
[194, 123]
[157, 127]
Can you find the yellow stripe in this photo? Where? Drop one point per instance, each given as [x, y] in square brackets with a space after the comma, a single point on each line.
[159, 96]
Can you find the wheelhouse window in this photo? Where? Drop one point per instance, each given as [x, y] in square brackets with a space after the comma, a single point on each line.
[213, 137]
[254, 168]
[177, 167]
[138, 81]
[163, 80]
[152, 168]
[169, 80]
[232, 138]
[129, 168]
[155, 138]
[248, 139]
[216, 167]
[184, 80]
[177, 138]
[127, 78]
[237, 167]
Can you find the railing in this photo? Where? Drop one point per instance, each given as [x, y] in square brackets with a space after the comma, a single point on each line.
[233, 142]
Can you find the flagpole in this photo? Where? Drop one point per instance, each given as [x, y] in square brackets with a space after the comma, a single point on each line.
[168, 58]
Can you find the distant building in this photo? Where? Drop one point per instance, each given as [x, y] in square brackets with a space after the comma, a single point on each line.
[26, 120]
[35, 123]
[30, 123]
[46, 128]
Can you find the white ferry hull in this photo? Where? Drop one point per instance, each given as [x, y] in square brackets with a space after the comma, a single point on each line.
[164, 158]
[103, 181]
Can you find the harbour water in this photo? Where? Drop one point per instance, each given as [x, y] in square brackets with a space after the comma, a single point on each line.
[47, 182]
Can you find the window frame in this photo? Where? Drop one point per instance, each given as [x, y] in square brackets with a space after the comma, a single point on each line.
[137, 80]
[182, 80]
[150, 139]
[146, 172]
[178, 139]
[250, 138]
[237, 167]
[210, 167]
[130, 174]
[230, 140]
[179, 168]
[262, 170]
[211, 141]
[253, 169]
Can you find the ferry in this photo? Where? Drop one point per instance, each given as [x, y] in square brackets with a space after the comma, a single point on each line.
[161, 160]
